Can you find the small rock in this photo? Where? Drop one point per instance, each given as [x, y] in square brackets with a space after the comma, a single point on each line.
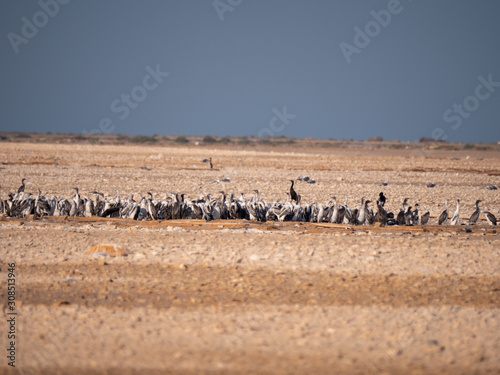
[69, 280]
[111, 250]
[253, 230]
[175, 229]
[255, 257]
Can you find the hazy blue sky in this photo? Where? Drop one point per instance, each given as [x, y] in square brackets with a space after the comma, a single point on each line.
[431, 70]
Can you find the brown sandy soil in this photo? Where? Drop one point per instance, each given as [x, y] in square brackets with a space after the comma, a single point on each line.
[243, 297]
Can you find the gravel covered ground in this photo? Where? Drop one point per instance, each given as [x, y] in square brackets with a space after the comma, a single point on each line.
[239, 297]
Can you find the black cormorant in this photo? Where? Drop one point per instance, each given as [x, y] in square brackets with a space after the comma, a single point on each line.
[293, 193]
[444, 215]
[475, 216]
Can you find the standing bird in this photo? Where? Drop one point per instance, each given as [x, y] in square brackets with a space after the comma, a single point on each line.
[370, 216]
[321, 213]
[42, 207]
[22, 187]
[444, 215]
[425, 218]
[400, 219]
[99, 204]
[381, 215]
[293, 194]
[408, 216]
[335, 212]
[208, 160]
[455, 219]
[347, 212]
[490, 218]
[88, 206]
[382, 199]
[150, 207]
[363, 211]
[475, 216]
[414, 215]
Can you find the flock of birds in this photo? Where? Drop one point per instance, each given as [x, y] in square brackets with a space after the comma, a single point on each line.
[176, 206]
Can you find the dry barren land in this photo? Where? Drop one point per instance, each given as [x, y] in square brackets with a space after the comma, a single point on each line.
[242, 297]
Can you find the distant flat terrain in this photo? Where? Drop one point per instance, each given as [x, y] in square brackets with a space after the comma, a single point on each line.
[245, 297]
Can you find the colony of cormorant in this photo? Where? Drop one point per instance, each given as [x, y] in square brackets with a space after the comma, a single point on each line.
[225, 207]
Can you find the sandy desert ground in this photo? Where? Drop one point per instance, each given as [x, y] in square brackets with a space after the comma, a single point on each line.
[237, 297]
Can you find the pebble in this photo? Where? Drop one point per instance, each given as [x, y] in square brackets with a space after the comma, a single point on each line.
[69, 280]
[253, 230]
[110, 250]
[139, 256]
[175, 229]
